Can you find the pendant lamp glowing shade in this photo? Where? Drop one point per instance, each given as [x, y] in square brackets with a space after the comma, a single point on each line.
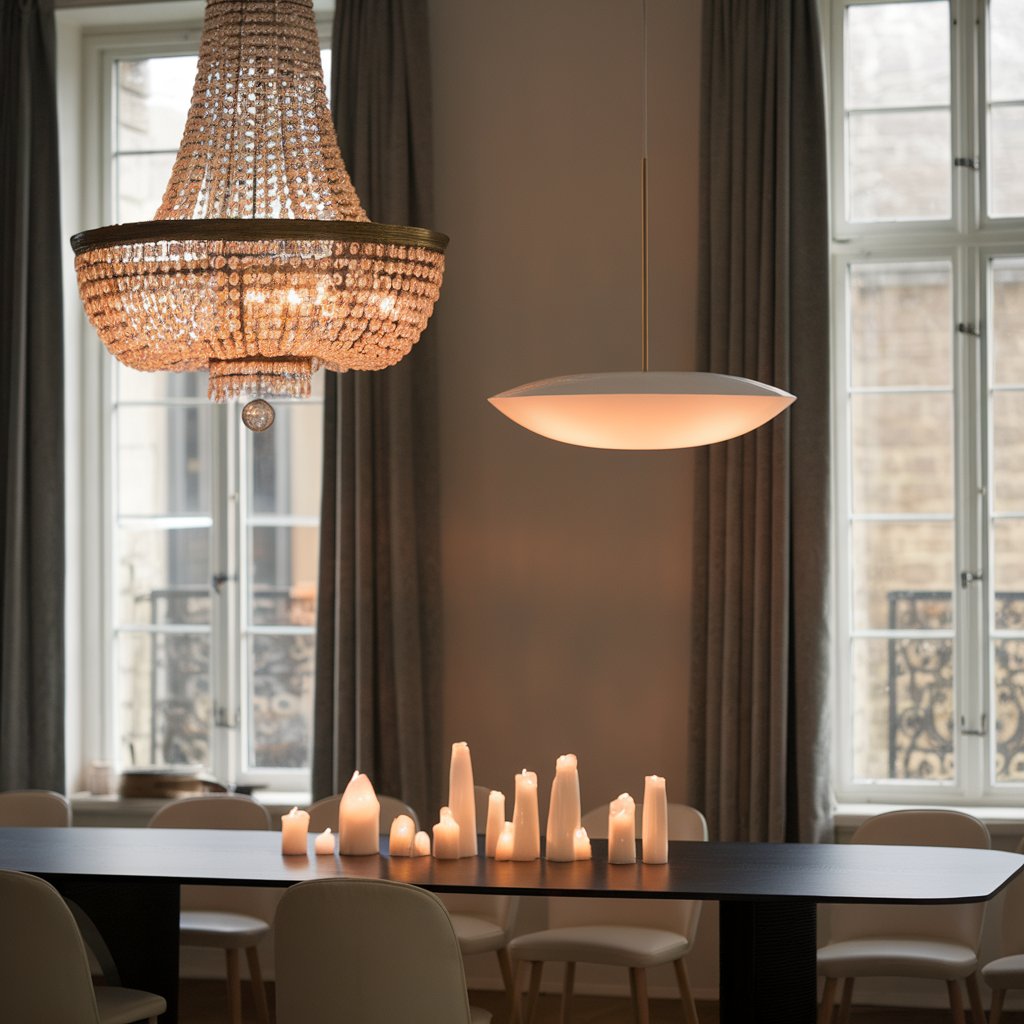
[261, 264]
[642, 410]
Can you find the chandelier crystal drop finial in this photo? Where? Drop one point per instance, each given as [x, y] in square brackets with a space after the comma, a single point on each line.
[260, 264]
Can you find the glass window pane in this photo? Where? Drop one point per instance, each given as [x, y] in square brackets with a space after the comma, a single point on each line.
[897, 55]
[137, 386]
[285, 461]
[890, 560]
[162, 460]
[284, 564]
[282, 701]
[153, 97]
[899, 165]
[900, 324]
[140, 184]
[902, 453]
[902, 709]
[164, 576]
[1008, 678]
[1005, 44]
[1007, 321]
[1005, 153]
[1008, 544]
[163, 696]
[1008, 451]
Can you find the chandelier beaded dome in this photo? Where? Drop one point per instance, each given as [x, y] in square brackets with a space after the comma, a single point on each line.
[260, 264]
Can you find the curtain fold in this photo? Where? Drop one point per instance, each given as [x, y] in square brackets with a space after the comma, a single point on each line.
[758, 743]
[377, 703]
[31, 420]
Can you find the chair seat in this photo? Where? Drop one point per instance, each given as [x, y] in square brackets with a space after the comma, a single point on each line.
[914, 957]
[221, 929]
[1006, 972]
[477, 934]
[478, 1016]
[127, 1005]
[616, 945]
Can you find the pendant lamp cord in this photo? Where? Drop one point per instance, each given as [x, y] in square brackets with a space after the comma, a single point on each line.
[643, 199]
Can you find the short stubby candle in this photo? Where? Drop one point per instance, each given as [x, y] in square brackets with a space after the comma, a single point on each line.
[462, 798]
[503, 850]
[495, 821]
[525, 818]
[654, 830]
[446, 836]
[403, 832]
[421, 845]
[294, 830]
[564, 810]
[323, 845]
[622, 830]
[581, 844]
[359, 818]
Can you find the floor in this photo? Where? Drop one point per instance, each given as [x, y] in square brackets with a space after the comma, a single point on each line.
[204, 1002]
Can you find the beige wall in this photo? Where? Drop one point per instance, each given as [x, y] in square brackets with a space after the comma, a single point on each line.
[565, 570]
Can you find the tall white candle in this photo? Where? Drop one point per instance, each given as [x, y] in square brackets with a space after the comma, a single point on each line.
[503, 851]
[622, 830]
[526, 818]
[581, 844]
[446, 836]
[462, 798]
[495, 821]
[654, 827]
[421, 845]
[359, 818]
[403, 832]
[323, 845]
[564, 810]
[294, 830]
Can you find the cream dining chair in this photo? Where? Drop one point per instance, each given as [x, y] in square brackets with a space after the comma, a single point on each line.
[1008, 971]
[228, 930]
[637, 934]
[34, 808]
[44, 969]
[876, 940]
[383, 951]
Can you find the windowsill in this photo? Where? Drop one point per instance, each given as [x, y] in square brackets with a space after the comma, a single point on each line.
[1001, 820]
[89, 810]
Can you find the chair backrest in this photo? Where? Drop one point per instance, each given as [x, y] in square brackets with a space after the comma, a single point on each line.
[217, 810]
[1013, 915]
[34, 808]
[377, 951]
[958, 922]
[681, 916]
[44, 971]
[324, 813]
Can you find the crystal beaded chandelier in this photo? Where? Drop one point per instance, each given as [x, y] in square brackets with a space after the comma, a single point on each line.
[261, 264]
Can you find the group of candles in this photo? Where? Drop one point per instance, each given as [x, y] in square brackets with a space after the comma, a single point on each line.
[455, 834]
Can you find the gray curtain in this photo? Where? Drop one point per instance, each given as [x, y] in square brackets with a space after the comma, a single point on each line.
[31, 405]
[758, 744]
[377, 659]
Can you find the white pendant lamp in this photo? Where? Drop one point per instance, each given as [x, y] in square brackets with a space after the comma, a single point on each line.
[642, 410]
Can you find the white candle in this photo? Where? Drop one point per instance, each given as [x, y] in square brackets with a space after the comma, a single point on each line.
[446, 836]
[495, 821]
[622, 830]
[654, 828]
[323, 845]
[525, 818]
[503, 850]
[294, 829]
[462, 798]
[564, 810]
[359, 818]
[403, 832]
[421, 845]
[581, 844]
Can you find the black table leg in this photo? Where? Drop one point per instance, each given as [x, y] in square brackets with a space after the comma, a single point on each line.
[768, 962]
[139, 923]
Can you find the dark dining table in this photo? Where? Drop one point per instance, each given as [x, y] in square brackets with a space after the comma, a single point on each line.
[127, 880]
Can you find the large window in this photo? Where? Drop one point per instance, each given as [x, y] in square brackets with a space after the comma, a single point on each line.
[208, 534]
[928, 219]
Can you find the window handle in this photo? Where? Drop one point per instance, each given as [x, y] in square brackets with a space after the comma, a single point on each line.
[967, 578]
[964, 731]
[219, 579]
[970, 162]
[223, 719]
